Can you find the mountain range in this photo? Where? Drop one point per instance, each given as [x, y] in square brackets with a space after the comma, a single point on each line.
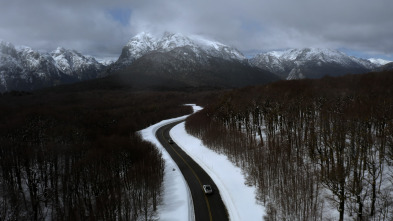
[174, 60]
[311, 63]
[22, 68]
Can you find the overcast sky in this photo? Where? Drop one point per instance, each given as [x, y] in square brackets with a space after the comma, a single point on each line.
[102, 27]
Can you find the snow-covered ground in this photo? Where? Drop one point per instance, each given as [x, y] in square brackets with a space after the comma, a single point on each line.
[236, 195]
[177, 202]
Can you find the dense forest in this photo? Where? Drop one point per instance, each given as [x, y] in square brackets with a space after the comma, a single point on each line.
[315, 149]
[75, 155]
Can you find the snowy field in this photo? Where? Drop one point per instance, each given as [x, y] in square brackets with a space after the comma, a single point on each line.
[177, 202]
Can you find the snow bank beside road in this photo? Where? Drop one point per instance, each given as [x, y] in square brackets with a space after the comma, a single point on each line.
[177, 201]
[236, 195]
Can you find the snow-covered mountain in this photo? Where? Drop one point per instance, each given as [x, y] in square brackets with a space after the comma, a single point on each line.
[75, 64]
[188, 66]
[177, 60]
[188, 60]
[145, 43]
[22, 68]
[311, 63]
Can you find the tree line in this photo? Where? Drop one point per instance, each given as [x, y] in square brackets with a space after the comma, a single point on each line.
[77, 156]
[310, 146]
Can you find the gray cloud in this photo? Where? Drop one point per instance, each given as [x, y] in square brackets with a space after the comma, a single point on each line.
[49, 24]
[362, 25]
[255, 24]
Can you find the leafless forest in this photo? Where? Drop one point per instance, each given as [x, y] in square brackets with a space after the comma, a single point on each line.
[311, 147]
[75, 155]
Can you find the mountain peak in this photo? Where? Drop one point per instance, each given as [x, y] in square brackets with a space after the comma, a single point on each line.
[22, 65]
[144, 43]
[73, 63]
[141, 38]
[59, 50]
[170, 41]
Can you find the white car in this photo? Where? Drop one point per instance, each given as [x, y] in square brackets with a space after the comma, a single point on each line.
[207, 189]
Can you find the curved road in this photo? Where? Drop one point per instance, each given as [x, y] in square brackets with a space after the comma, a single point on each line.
[206, 207]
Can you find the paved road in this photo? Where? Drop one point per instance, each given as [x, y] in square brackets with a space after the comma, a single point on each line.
[206, 207]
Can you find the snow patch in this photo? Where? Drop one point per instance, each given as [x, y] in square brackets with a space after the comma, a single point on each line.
[378, 61]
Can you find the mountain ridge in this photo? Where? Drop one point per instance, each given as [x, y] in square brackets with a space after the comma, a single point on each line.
[187, 67]
[22, 68]
[177, 55]
[144, 43]
[311, 63]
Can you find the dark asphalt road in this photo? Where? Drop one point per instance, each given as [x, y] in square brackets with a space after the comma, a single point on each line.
[206, 207]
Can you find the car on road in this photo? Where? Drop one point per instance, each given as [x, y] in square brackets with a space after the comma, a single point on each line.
[170, 141]
[207, 189]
